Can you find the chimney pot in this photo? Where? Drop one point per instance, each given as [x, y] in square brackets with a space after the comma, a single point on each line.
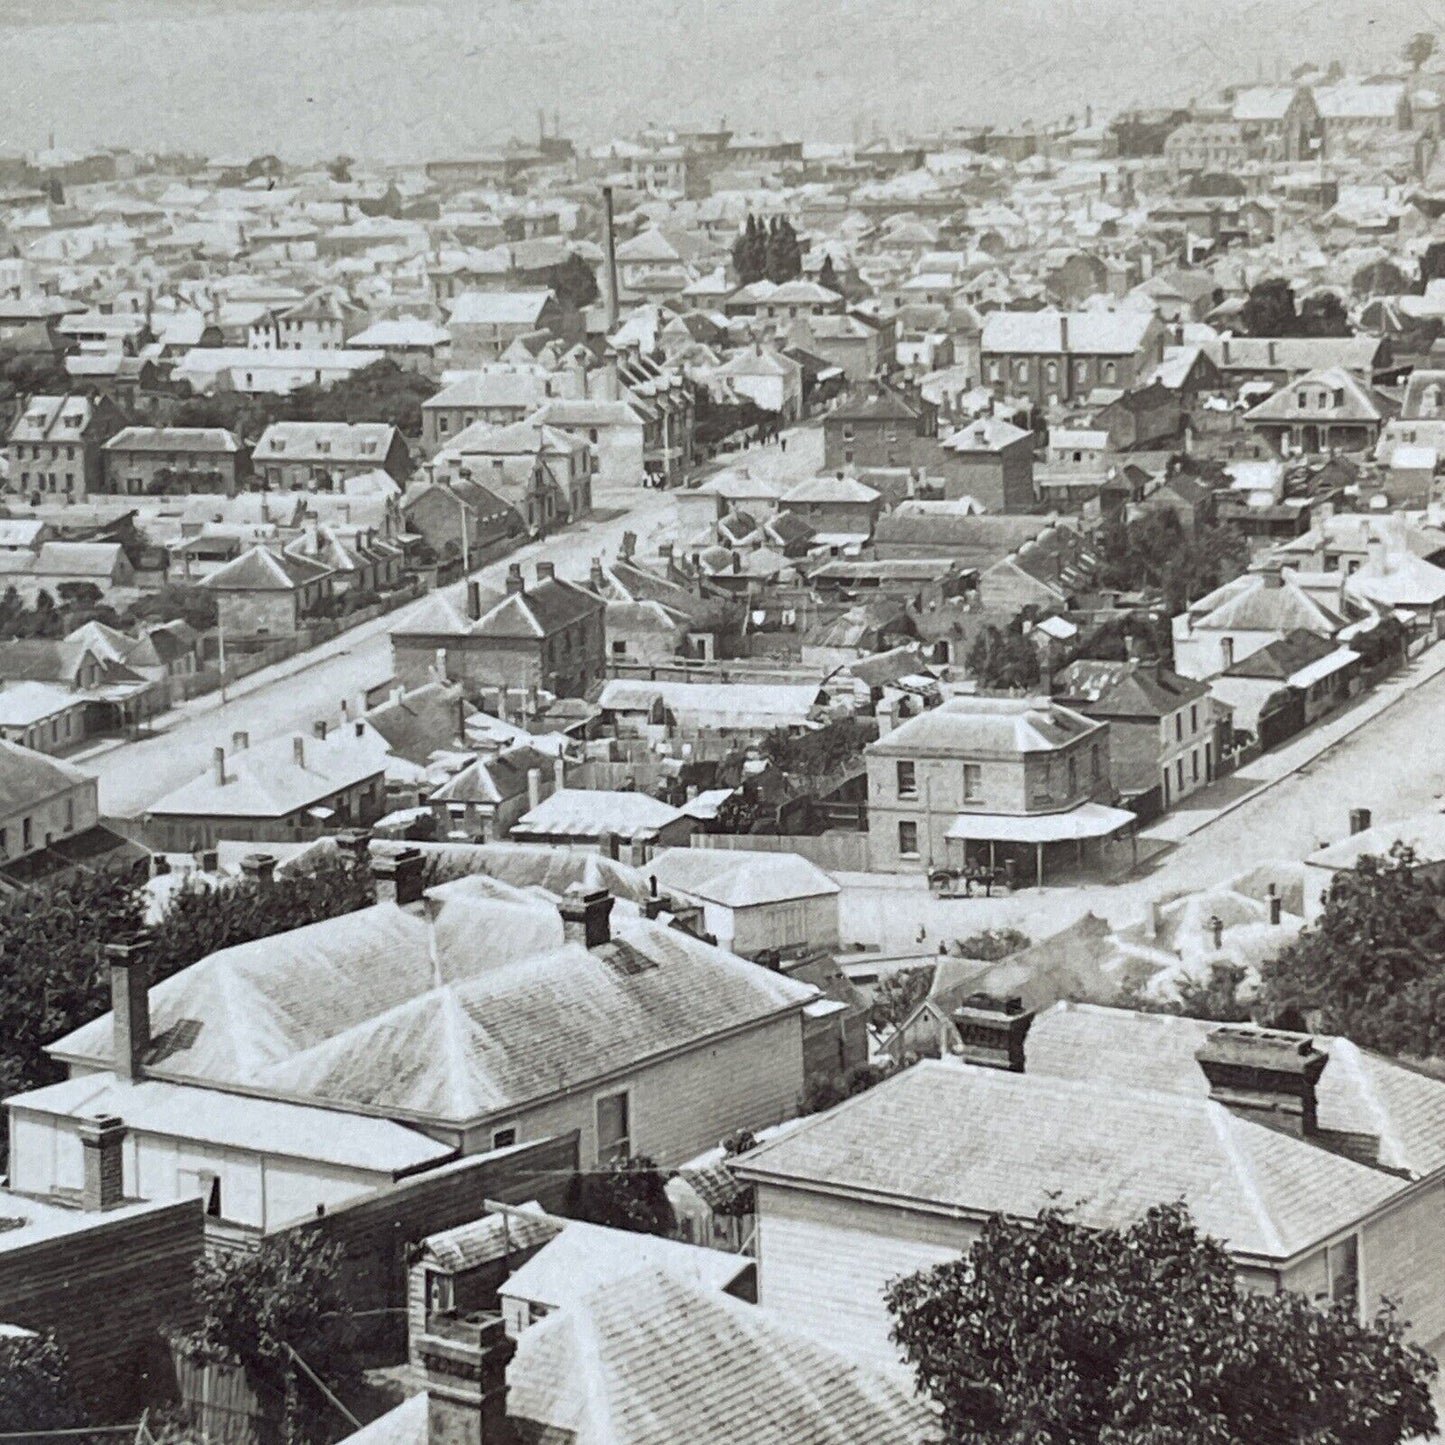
[130, 1006]
[103, 1184]
[1266, 1075]
[546, 571]
[474, 599]
[534, 788]
[586, 916]
[354, 842]
[298, 751]
[992, 1031]
[1359, 820]
[398, 876]
[218, 766]
[514, 579]
[559, 772]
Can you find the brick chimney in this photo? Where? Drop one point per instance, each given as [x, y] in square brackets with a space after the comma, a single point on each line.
[103, 1185]
[534, 788]
[130, 1006]
[318, 730]
[1360, 820]
[1265, 1075]
[514, 579]
[298, 751]
[546, 572]
[398, 876]
[586, 917]
[474, 599]
[992, 1031]
[598, 580]
[259, 868]
[218, 767]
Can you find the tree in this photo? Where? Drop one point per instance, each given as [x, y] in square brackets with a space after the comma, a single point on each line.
[262, 1308]
[1381, 278]
[629, 1194]
[783, 257]
[1323, 314]
[1418, 50]
[177, 601]
[898, 994]
[1371, 966]
[750, 253]
[1003, 660]
[201, 919]
[339, 169]
[573, 282]
[35, 1389]
[828, 275]
[1145, 1336]
[1269, 310]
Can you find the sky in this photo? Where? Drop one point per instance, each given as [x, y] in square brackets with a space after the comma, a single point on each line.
[405, 80]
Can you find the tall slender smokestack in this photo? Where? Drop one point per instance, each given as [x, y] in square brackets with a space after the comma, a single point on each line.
[609, 245]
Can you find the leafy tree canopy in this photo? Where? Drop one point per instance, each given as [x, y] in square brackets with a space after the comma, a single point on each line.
[898, 994]
[35, 1388]
[631, 1195]
[1381, 278]
[1370, 967]
[1003, 660]
[1419, 49]
[1051, 1332]
[1155, 553]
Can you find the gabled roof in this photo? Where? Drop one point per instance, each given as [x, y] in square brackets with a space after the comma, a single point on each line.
[1076, 333]
[652, 1360]
[188, 439]
[1345, 400]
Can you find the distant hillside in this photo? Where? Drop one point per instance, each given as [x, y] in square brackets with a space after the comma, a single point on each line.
[409, 78]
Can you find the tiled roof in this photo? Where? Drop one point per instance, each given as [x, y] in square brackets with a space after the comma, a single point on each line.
[651, 1360]
[491, 1238]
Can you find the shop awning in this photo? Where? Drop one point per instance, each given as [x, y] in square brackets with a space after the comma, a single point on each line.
[1088, 820]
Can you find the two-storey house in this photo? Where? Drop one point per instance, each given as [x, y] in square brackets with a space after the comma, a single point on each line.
[141, 460]
[1051, 357]
[988, 779]
[56, 446]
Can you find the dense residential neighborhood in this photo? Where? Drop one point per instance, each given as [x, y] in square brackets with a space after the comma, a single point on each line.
[660, 783]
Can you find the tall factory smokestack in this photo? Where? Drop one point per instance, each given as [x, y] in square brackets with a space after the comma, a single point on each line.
[609, 245]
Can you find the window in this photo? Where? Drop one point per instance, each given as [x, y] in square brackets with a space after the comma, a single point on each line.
[972, 782]
[1073, 776]
[995, 372]
[619, 649]
[1021, 370]
[1194, 718]
[907, 781]
[26, 835]
[440, 1298]
[908, 839]
[504, 1138]
[1178, 727]
[614, 1132]
[4, 842]
[1179, 774]
[1194, 763]
[1051, 371]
